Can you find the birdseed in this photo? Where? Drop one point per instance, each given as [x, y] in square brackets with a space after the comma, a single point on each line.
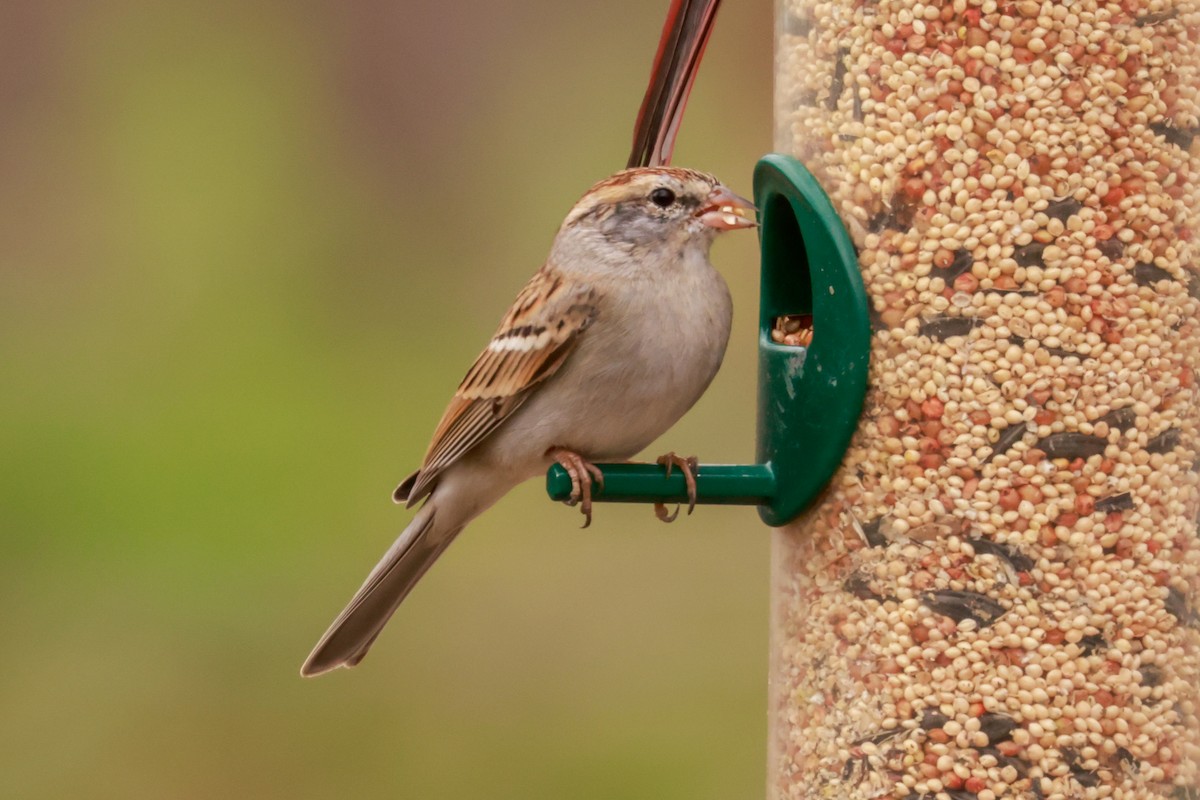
[793, 330]
[997, 598]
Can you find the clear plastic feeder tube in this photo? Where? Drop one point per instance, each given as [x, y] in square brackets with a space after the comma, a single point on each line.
[997, 596]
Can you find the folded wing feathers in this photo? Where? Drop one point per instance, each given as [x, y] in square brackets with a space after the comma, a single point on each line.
[530, 345]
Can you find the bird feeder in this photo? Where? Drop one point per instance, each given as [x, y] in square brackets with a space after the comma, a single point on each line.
[996, 595]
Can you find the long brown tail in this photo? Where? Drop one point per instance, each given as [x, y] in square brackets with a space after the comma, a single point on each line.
[352, 633]
[684, 37]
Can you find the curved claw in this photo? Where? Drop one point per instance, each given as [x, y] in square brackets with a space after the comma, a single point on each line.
[660, 511]
[583, 475]
[688, 466]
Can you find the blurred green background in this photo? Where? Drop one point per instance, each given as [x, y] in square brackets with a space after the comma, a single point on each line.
[247, 250]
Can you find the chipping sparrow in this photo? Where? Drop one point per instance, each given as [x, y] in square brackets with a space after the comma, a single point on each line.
[610, 342]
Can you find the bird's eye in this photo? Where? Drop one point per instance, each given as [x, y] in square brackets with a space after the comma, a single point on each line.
[662, 197]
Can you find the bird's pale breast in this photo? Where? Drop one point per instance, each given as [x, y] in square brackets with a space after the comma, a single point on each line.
[651, 353]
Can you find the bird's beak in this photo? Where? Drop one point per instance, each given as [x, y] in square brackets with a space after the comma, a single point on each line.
[725, 211]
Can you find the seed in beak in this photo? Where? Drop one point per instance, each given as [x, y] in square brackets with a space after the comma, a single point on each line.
[726, 211]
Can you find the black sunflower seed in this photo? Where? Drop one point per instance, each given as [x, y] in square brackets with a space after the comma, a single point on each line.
[859, 586]
[1164, 442]
[1180, 137]
[1121, 419]
[1116, 502]
[1008, 437]
[871, 532]
[1030, 255]
[998, 727]
[1177, 604]
[1063, 208]
[1112, 248]
[1070, 444]
[947, 327]
[839, 80]
[1151, 675]
[1148, 275]
[960, 605]
[1086, 778]
[1155, 18]
[932, 719]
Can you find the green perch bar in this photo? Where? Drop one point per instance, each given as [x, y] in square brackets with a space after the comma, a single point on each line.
[721, 484]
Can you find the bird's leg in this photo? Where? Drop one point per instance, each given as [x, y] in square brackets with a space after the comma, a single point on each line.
[583, 474]
[688, 467]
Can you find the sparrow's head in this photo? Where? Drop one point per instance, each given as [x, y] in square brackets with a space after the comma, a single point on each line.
[651, 206]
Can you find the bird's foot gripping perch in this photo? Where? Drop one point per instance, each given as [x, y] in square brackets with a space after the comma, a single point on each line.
[583, 474]
[688, 467]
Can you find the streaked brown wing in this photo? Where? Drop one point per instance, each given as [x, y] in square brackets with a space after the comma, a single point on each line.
[535, 338]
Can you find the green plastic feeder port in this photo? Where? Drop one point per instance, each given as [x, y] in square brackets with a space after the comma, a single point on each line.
[809, 397]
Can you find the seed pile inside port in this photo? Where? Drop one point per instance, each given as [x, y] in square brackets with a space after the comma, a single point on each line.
[997, 598]
[794, 330]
